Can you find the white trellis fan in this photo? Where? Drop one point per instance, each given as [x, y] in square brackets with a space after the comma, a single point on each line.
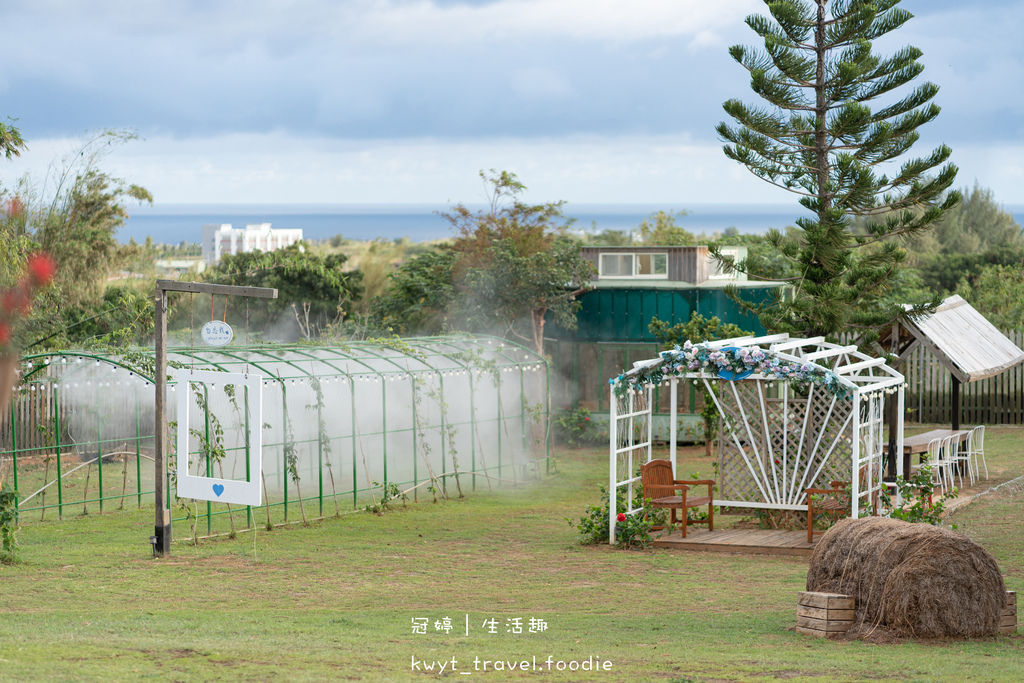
[795, 414]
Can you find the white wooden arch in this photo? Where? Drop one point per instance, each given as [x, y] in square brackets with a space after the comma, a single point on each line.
[795, 413]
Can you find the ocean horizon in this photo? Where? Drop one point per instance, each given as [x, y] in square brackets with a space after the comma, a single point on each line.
[174, 223]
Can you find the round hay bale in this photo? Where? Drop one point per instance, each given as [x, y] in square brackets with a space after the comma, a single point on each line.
[910, 580]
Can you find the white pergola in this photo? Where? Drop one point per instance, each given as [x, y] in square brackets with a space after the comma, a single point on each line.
[795, 413]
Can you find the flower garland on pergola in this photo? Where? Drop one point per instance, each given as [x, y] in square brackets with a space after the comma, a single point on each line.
[730, 363]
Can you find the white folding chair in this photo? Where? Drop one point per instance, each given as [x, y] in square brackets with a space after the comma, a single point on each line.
[936, 462]
[945, 461]
[959, 460]
[976, 447]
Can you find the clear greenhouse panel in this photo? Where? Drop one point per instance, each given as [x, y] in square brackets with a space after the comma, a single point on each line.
[342, 428]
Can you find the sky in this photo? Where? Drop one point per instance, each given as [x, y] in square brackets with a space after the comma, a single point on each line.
[405, 101]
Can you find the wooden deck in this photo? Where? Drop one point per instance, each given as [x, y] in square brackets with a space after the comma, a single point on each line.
[752, 541]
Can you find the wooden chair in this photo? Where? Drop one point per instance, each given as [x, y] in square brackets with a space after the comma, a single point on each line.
[661, 487]
[835, 501]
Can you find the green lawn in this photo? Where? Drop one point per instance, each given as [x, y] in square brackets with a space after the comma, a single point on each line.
[336, 601]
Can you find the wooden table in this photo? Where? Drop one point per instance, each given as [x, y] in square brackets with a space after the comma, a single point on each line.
[919, 444]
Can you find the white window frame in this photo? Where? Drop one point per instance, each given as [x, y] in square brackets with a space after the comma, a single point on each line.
[735, 252]
[635, 275]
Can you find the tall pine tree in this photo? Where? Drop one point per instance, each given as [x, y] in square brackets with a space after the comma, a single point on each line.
[831, 133]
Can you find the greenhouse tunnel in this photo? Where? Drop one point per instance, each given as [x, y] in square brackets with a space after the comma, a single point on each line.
[343, 427]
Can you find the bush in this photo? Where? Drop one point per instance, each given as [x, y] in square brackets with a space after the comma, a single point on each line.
[631, 531]
[575, 428]
[918, 503]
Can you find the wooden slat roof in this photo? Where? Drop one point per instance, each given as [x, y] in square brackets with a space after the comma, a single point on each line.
[965, 341]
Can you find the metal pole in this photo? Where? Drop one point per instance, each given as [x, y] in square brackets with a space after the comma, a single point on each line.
[613, 439]
[673, 419]
[162, 524]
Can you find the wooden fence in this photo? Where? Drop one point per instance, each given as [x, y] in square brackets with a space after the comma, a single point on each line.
[580, 373]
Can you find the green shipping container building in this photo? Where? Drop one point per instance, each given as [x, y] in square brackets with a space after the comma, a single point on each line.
[633, 286]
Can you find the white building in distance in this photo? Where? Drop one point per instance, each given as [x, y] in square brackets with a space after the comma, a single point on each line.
[220, 239]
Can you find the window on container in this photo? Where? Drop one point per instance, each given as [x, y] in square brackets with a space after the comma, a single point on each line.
[616, 265]
[652, 265]
[718, 272]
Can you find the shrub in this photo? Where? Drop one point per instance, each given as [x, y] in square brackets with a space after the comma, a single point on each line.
[575, 428]
[631, 531]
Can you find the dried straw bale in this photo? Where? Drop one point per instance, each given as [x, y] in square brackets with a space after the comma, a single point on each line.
[910, 580]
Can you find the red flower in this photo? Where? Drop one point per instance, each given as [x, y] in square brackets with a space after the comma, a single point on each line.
[14, 207]
[16, 301]
[41, 268]
[621, 517]
[586, 419]
[5, 333]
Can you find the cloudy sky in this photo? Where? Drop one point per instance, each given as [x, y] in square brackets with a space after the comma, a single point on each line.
[353, 101]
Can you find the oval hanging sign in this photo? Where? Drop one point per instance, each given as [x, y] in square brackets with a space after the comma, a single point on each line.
[217, 333]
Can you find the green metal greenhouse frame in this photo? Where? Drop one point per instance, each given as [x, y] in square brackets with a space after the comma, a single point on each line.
[117, 395]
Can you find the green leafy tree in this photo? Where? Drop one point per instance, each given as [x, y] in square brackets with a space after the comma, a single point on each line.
[997, 292]
[510, 268]
[660, 229]
[977, 233]
[516, 291]
[514, 264]
[610, 238]
[73, 215]
[944, 272]
[11, 142]
[697, 329]
[820, 138]
[418, 295]
[314, 291]
[978, 224]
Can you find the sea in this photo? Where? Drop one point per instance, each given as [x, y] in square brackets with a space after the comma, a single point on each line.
[176, 223]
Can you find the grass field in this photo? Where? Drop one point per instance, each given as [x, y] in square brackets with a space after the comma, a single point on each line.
[337, 600]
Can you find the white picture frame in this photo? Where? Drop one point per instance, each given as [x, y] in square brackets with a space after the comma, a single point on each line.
[212, 488]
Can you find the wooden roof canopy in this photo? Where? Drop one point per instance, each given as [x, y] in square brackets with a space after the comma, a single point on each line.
[961, 338]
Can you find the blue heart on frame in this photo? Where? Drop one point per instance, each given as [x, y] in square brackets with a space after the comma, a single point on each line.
[218, 489]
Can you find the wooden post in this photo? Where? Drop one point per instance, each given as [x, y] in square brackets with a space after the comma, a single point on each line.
[891, 460]
[162, 528]
[161, 538]
[956, 404]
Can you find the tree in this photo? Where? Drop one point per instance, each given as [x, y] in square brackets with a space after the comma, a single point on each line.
[997, 292]
[610, 238]
[820, 139]
[976, 233]
[418, 295]
[697, 329]
[509, 269]
[660, 229]
[73, 215]
[978, 224]
[314, 291]
[514, 264]
[514, 289]
[11, 142]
